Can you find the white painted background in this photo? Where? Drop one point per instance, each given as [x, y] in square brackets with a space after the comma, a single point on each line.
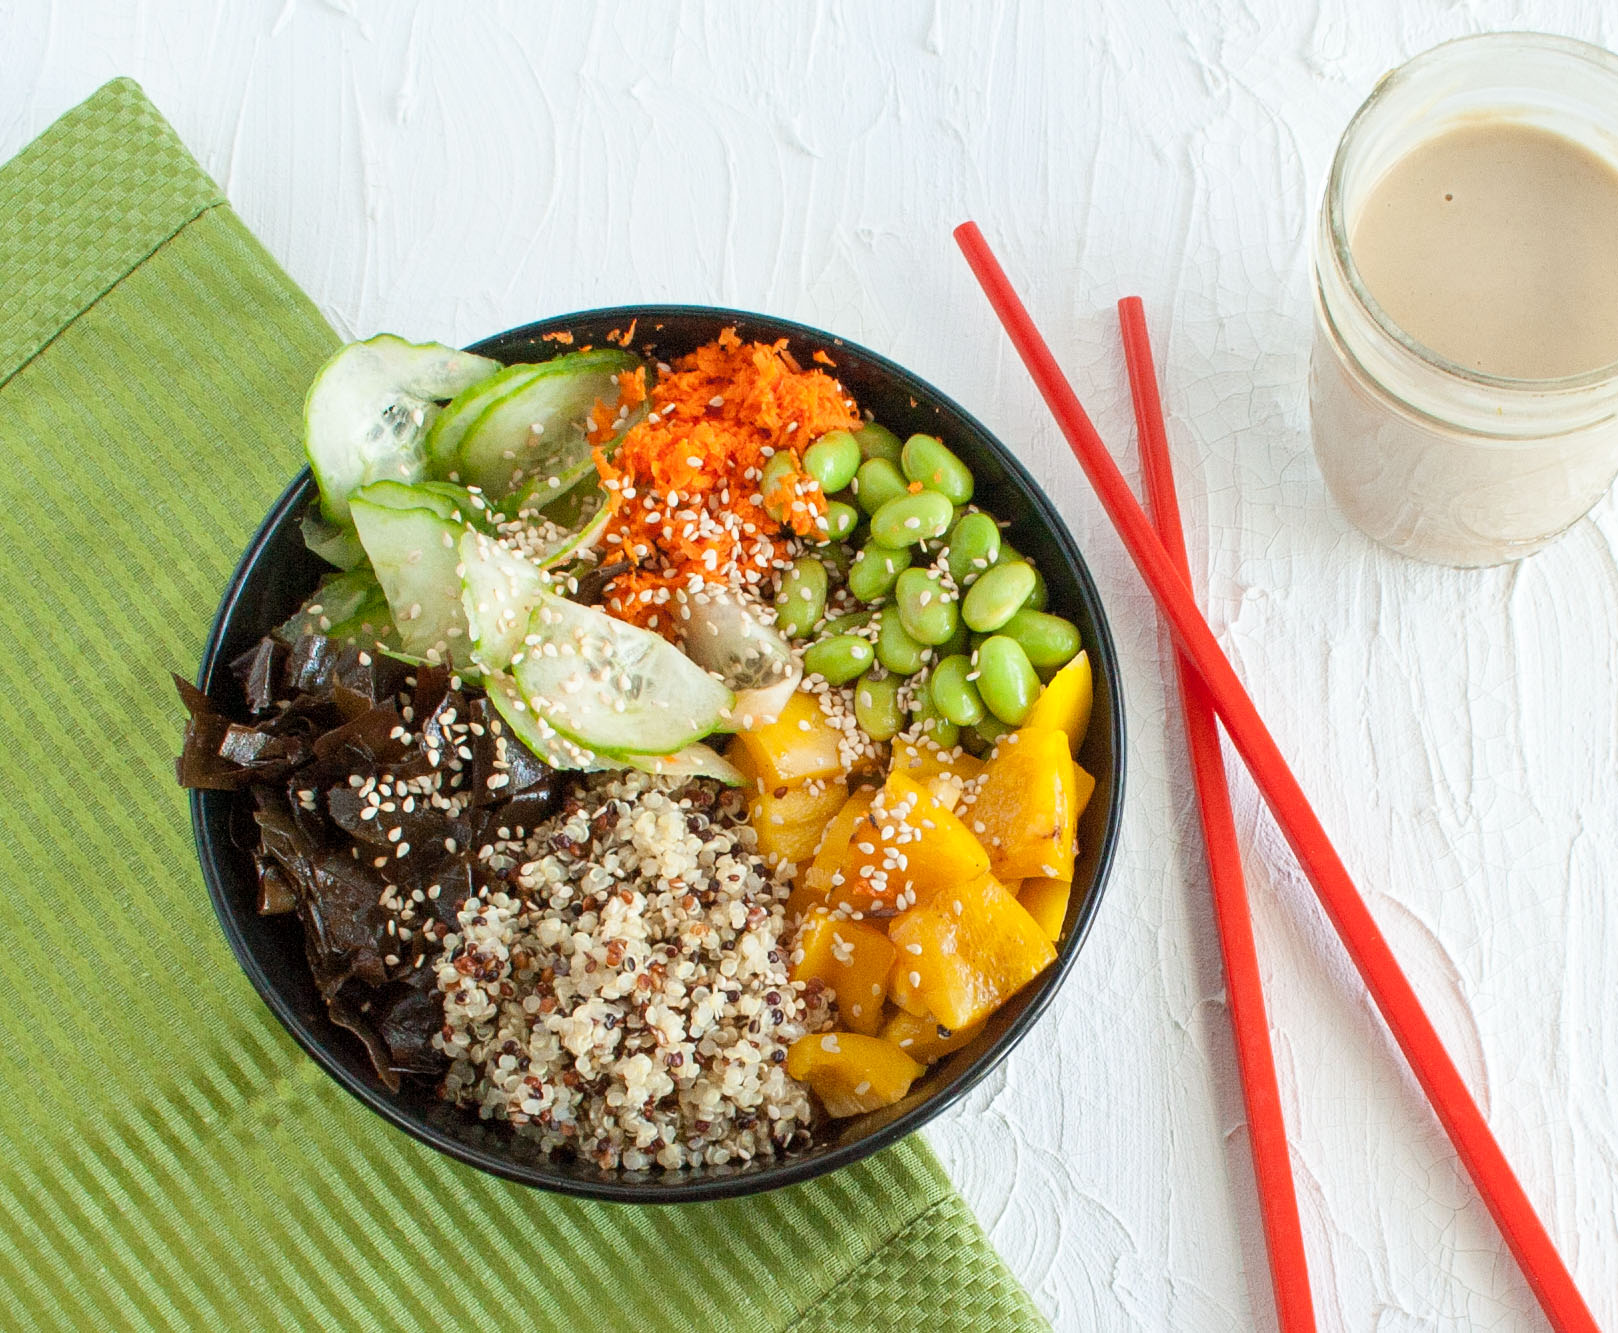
[446, 170]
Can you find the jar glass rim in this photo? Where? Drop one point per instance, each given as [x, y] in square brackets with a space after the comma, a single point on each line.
[1337, 223]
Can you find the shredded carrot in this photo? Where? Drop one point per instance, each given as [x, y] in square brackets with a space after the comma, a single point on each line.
[560, 336]
[684, 485]
[820, 356]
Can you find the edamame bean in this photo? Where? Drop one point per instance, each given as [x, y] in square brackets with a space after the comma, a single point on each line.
[954, 693]
[832, 460]
[982, 738]
[1008, 553]
[908, 519]
[840, 658]
[876, 706]
[1006, 679]
[775, 484]
[1048, 640]
[934, 725]
[1040, 598]
[925, 609]
[840, 520]
[847, 624]
[877, 482]
[958, 642]
[998, 595]
[896, 649]
[879, 442]
[875, 570]
[837, 557]
[802, 599]
[974, 545]
[927, 460]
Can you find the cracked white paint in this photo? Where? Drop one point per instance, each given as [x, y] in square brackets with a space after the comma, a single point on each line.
[446, 170]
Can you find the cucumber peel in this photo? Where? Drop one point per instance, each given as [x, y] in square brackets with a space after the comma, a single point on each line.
[415, 553]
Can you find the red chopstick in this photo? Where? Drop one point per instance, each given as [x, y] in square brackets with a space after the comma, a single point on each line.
[1266, 1130]
[1491, 1173]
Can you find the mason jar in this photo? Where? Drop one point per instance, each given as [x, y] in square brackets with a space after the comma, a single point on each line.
[1431, 458]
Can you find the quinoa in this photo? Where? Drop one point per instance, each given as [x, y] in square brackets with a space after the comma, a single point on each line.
[627, 998]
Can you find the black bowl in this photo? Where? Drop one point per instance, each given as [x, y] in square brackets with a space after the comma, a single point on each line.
[277, 573]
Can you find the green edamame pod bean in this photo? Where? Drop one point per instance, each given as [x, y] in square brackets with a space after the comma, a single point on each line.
[927, 460]
[908, 519]
[876, 706]
[877, 482]
[879, 442]
[974, 545]
[840, 658]
[876, 569]
[775, 484]
[1040, 598]
[802, 599]
[998, 595]
[1008, 553]
[925, 609]
[837, 557]
[958, 642]
[832, 460]
[847, 624]
[934, 725]
[980, 739]
[840, 520]
[895, 648]
[1049, 641]
[1006, 679]
[954, 695]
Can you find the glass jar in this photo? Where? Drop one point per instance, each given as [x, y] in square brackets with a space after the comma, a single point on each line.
[1430, 458]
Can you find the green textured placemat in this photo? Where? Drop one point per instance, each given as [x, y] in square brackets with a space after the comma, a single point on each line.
[168, 1157]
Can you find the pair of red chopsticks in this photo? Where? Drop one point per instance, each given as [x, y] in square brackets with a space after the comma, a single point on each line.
[1209, 685]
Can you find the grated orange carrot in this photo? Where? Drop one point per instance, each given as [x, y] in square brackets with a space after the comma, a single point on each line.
[683, 486]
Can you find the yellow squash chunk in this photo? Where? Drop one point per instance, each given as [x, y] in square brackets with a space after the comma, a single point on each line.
[909, 847]
[922, 1039]
[1084, 787]
[1064, 704]
[944, 773]
[902, 989]
[852, 958]
[799, 745]
[1024, 808]
[851, 1073]
[832, 854]
[789, 823]
[1046, 901]
[970, 949]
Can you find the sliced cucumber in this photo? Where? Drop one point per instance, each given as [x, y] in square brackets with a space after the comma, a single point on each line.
[443, 443]
[613, 687]
[370, 407]
[452, 503]
[500, 591]
[533, 731]
[350, 605]
[335, 545]
[415, 553]
[695, 761]
[721, 634]
[540, 429]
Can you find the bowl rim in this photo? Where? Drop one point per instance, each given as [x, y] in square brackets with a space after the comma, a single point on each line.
[664, 1189]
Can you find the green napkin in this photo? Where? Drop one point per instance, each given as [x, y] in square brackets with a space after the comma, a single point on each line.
[170, 1158]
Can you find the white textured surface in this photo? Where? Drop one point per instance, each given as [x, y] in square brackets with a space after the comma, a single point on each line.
[448, 170]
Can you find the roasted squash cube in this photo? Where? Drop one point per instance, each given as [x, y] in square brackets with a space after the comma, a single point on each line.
[904, 988]
[969, 950]
[944, 773]
[799, 745]
[850, 957]
[831, 857]
[1046, 901]
[1023, 809]
[1065, 702]
[909, 847]
[851, 1073]
[923, 1039]
[1084, 787]
[789, 821]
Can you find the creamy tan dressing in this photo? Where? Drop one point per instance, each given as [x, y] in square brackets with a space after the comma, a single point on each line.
[1495, 244]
